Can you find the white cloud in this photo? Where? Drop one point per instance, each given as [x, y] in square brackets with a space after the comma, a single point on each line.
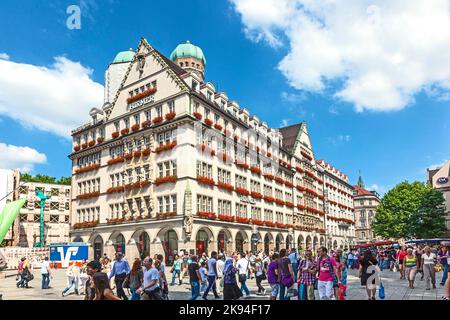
[380, 189]
[24, 158]
[293, 97]
[376, 55]
[340, 139]
[56, 99]
[284, 122]
[4, 56]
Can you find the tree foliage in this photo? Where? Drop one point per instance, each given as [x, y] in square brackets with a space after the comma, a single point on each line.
[410, 210]
[42, 178]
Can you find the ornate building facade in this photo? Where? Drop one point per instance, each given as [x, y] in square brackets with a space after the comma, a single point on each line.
[439, 178]
[170, 164]
[366, 203]
[339, 209]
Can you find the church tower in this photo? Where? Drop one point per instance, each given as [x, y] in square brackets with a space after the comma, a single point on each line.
[190, 58]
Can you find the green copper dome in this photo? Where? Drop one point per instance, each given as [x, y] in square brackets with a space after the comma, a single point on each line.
[124, 56]
[188, 50]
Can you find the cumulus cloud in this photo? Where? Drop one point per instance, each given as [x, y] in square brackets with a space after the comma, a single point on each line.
[380, 189]
[24, 158]
[55, 99]
[376, 55]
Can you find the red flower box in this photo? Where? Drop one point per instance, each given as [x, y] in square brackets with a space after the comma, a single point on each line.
[288, 184]
[88, 195]
[269, 199]
[141, 95]
[84, 145]
[225, 186]
[279, 202]
[198, 115]
[115, 189]
[280, 225]
[218, 127]
[88, 168]
[257, 222]
[146, 152]
[242, 220]
[125, 131]
[269, 154]
[166, 147]
[223, 156]
[256, 170]
[208, 122]
[100, 139]
[242, 165]
[146, 123]
[162, 180]
[206, 180]
[226, 218]
[269, 176]
[137, 154]
[208, 215]
[306, 155]
[242, 191]
[269, 224]
[115, 135]
[77, 148]
[289, 204]
[128, 156]
[157, 120]
[135, 127]
[145, 183]
[300, 207]
[116, 160]
[279, 180]
[170, 116]
[256, 195]
[91, 143]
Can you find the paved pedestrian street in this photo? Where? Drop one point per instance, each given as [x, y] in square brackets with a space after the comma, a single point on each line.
[395, 288]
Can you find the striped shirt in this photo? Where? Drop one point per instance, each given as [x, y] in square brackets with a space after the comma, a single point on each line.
[307, 278]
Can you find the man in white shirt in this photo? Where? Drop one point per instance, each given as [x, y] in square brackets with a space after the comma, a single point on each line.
[219, 265]
[212, 276]
[243, 264]
[151, 284]
[428, 262]
[45, 272]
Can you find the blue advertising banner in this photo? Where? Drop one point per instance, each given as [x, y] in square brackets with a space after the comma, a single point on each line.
[62, 254]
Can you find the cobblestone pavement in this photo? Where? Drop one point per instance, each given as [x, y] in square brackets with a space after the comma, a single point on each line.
[395, 288]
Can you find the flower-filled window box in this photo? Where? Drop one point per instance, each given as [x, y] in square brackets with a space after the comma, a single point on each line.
[208, 122]
[269, 176]
[306, 155]
[124, 131]
[289, 204]
[128, 156]
[242, 191]
[280, 225]
[100, 139]
[242, 165]
[218, 127]
[256, 195]
[300, 188]
[157, 120]
[146, 124]
[198, 115]
[170, 116]
[137, 154]
[135, 127]
[207, 215]
[163, 180]
[88, 195]
[88, 168]
[300, 207]
[242, 220]
[255, 169]
[141, 95]
[223, 156]
[116, 160]
[84, 145]
[166, 147]
[206, 180]
[145, 183]
[115, 135]
[223, 217]
[269, 224]
[206, 149]
[225, 186]
[269, 199]
[115, 189]
[279, 180]
[77, 148]
[91, 143]
[146, 152]
[257, 222]
[279, 202]
[288, 184]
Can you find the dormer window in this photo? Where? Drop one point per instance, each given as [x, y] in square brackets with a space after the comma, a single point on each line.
[94, 119]
[222, 104]
[194, 85]
[209, 95]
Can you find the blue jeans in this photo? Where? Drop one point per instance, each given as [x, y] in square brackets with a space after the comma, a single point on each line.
[175, 273]
[445, 274]
[134, 295]
[211, 285]
[244, 288]
[283, 292]
[45, 280]
[295, 270]
[344, 276]
[195, 289]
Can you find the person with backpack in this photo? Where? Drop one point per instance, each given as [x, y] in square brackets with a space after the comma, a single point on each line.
[327, 279]
[243, 264]
[260, 275]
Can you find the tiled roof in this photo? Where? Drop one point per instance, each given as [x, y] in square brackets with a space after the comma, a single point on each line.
[176, 68]
[290, 135]
[362, 192]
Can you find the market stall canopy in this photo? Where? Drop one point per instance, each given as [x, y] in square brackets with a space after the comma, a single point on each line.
[8, 215]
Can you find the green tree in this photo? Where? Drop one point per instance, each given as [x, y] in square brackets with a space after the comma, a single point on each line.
[410, 210]
[65, 181]
[42, 178]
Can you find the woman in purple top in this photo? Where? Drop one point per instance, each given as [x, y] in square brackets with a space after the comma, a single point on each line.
[272, 276]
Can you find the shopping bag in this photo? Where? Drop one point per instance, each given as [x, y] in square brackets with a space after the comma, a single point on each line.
[381, 293]
[341, 292]
[292, 291]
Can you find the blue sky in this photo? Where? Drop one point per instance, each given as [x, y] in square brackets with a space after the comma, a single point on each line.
[388, 140]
